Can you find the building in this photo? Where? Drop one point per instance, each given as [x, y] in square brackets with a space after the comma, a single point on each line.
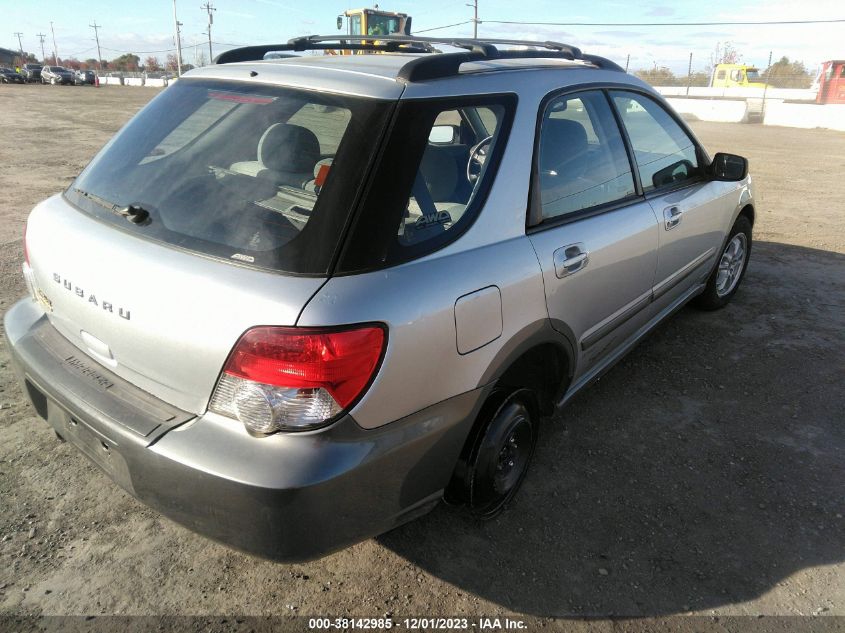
[7, 57]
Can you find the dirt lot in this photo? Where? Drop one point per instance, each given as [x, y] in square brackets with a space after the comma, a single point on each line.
[703, 474]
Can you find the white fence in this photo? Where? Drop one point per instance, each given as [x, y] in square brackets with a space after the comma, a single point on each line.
[773, 112]
[711, 109]
[740, 105]
[793, 94]
[830, 116]
[158, 82]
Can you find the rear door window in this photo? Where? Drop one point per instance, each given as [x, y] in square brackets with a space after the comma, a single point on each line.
[262, 175]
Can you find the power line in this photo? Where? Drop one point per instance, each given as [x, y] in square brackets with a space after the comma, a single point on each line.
[751, 23]
[447, 26]
[78, 53]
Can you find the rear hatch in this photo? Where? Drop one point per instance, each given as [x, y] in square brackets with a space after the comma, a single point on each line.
[219, 207]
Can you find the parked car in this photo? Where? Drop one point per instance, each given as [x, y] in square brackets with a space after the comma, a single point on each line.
[84, 77]
[31, 72]
[56, 75]
[10, 76]
[295, 303]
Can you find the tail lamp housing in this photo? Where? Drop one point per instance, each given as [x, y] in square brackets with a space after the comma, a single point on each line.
[297, 379]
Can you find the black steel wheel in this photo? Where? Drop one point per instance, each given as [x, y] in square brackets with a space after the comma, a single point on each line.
[502, 452]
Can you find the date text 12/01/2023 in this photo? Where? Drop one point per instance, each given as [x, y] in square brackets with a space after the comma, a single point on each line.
[424, 623]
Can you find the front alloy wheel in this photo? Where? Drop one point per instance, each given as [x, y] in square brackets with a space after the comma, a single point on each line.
[733, 262]
[731, 265]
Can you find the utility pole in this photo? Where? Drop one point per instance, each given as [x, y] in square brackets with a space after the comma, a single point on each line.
[96, 26]
[55, 49]
[689, 73]
[474, 5]
[41, 37]
[209, 8]
[766, 86]
[20, 46]
[178, 42]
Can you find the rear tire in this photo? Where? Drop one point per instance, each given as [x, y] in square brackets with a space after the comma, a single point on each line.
[730, 268]
[499, 454]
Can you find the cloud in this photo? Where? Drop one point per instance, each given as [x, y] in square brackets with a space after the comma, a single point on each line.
[660, 12]
[716, 36]
[512, 31]
[237, 14]
[623, 34]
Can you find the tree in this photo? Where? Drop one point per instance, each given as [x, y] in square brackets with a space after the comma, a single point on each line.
[699, 79]
[786, 74]
[28, 58]
[126, 62]
[725, 53]
[73, 63]
[659, 76]
[171, 64]
[151, 64]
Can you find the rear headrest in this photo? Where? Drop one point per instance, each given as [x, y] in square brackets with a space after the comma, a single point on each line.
[289, 148]
[562, 140]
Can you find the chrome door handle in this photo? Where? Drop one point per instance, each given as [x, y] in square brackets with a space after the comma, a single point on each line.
[672, 217]
[570, 259]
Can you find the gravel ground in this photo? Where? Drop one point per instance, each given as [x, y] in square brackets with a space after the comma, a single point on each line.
[704, 474]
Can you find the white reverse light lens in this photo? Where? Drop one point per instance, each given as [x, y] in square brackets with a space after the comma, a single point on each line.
[253, 407]
[266, 409]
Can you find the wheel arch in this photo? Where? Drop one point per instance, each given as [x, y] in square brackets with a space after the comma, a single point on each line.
[539, 358]
[748, 212]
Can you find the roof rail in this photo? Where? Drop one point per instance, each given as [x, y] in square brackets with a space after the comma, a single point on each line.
[428, 66]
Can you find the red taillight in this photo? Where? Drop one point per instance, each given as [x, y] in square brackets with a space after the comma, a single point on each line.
[341, 362]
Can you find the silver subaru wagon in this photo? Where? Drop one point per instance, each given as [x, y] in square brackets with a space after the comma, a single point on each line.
[295, 302]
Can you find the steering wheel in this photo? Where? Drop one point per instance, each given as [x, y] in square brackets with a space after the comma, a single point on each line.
[477, 158]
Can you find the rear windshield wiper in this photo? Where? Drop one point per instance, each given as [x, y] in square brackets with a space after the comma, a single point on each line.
[135, 213]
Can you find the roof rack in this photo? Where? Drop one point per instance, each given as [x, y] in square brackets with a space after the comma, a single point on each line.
[429, 66]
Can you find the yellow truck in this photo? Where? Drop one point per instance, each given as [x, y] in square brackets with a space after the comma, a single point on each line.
[736, 76]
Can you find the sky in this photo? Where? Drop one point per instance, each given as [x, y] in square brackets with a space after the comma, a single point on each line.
[147, 27]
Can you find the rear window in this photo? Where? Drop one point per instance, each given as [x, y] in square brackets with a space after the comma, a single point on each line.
[261, 175]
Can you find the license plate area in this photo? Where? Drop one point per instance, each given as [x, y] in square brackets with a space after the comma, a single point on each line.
[103, 451]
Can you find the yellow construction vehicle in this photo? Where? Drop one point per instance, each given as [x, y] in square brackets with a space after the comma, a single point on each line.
[375, 22]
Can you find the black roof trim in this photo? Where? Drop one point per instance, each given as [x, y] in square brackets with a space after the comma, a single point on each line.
[428, 67]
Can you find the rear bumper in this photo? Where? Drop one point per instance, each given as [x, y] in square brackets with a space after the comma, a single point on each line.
[288, 497]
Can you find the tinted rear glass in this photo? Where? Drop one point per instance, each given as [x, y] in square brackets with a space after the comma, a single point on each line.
[262, 175]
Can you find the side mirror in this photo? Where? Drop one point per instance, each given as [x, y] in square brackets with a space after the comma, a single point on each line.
[443, 134]
[728, 167]
[339, 22]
